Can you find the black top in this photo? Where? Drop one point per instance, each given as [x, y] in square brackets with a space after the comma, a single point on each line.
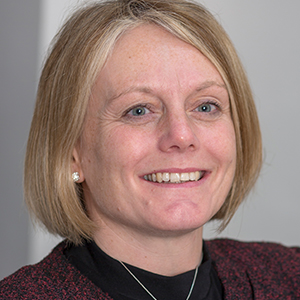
[109, 275]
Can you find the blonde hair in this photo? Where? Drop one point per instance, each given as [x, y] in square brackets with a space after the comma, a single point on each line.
[79, 51]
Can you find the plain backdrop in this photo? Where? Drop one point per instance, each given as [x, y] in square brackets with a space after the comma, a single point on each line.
[265, 33]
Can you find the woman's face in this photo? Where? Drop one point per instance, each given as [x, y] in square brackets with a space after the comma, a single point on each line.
[158, 151]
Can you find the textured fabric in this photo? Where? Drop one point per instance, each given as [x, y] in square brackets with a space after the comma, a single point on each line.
[257, 270]
[52, 278]
[246, 270]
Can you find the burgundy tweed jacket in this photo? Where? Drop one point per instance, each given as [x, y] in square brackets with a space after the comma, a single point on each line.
[246, 270]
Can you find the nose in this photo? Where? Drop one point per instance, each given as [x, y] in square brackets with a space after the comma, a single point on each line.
[178, 133]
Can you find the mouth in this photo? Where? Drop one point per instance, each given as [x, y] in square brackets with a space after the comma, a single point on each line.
[174, 177]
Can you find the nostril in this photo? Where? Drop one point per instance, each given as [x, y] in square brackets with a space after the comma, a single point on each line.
[180, 147]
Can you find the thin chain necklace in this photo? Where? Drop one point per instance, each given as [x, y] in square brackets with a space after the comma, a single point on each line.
[191, 288]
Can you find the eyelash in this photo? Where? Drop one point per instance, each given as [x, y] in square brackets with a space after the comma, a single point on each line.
[146, 106]
[213, 111]
[211, 103]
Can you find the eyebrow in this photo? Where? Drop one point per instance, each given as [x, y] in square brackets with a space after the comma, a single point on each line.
[208, 84]
[148, 90]
[132, 89]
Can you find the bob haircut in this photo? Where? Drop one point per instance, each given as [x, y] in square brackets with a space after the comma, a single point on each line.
[78, 53]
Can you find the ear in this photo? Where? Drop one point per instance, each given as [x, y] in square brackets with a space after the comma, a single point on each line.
[76, 165]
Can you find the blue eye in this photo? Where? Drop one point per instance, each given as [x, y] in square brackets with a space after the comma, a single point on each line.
[206, 107]
[138, 111]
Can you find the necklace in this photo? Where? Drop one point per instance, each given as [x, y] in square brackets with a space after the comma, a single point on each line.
[191, 288]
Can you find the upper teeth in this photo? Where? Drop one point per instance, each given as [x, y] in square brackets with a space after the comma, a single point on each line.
[174, 177]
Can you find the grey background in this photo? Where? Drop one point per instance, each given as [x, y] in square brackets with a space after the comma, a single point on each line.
[19, 33]
[266, 35]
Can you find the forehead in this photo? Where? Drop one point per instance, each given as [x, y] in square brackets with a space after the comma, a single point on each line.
[149, 42]
[151, 57]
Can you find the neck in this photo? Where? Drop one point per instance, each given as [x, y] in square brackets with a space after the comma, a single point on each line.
[167, 255]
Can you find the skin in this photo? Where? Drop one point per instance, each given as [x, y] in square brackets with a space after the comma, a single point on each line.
[184, 125]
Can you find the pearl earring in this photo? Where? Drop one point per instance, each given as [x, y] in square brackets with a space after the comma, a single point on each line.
[75, 176]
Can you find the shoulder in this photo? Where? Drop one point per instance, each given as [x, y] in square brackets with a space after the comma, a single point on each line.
[53, 277]
[267, 268]
[249, 250]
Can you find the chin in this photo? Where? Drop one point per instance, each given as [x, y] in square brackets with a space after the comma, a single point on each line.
[181, 222]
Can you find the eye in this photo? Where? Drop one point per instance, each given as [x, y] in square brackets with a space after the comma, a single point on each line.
[207, 107]
[138, 111]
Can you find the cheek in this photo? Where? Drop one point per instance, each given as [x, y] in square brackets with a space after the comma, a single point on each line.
[110, 152]
[221, 143]
[124, 146]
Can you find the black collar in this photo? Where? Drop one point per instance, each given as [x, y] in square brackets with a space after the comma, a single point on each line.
[109, 275]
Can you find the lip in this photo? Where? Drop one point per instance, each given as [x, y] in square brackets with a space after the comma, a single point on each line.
[175, 170]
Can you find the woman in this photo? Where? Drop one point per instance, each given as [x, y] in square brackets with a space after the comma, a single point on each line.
[144, 130]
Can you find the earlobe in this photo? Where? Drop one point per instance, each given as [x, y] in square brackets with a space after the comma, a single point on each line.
[77, 174]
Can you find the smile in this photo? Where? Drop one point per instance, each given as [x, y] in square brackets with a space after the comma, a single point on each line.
[174, 177]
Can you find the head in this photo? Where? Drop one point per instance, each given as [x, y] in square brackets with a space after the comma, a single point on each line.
[79, 53]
